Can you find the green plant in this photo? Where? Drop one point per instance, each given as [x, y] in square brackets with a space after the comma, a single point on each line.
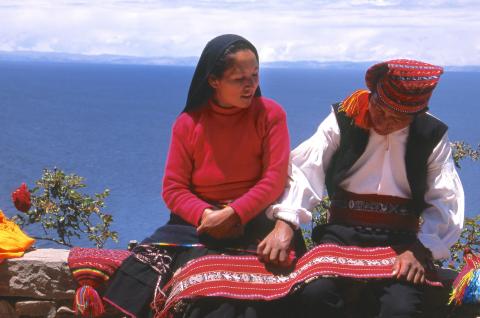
[462, 150]
[319, 216]
[469, 239]
[63, 211]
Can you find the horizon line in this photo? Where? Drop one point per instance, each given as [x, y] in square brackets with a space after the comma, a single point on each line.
[65, 57]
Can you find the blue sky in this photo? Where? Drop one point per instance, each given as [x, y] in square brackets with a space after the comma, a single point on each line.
[436, 31]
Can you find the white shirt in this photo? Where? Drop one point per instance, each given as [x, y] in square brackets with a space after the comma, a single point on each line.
[379, 170]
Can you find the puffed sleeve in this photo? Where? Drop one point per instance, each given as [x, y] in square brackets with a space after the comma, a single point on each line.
[308, 166]
[443, 219]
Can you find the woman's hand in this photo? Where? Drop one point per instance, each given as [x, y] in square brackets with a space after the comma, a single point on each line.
[220, 224]
[275, 247]
[412, 263]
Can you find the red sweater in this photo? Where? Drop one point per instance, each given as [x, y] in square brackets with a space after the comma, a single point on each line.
[230, 155]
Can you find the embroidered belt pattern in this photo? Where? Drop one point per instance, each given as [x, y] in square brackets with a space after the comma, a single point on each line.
[370, 206]
[156, 257]
[160, 261]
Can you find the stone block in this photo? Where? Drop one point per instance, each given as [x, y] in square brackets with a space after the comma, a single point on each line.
[39, 274]
[36, 308]
[7, 310]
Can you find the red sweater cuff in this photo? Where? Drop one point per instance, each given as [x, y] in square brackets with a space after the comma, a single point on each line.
[196, 213]
[245, 217]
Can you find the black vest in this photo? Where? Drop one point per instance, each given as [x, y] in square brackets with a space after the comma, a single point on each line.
[425, 133]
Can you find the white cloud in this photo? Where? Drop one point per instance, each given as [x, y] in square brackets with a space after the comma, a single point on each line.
[349, 30]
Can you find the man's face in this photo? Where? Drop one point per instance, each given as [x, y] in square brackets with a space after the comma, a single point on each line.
[386, 121]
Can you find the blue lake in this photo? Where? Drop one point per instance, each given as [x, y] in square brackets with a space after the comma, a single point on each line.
[111, 124]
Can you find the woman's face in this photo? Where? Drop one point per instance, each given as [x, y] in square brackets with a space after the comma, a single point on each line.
[238, 83]
[386, 121]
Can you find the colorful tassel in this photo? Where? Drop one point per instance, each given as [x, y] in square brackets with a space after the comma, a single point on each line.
[88, 302]
[91, 268]
[466, 287]
[472, 294]
[355, 106]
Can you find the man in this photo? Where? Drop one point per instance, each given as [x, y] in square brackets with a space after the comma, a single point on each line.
[387, 166]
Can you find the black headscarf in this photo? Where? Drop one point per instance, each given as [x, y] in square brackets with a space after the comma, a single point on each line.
[200, 91]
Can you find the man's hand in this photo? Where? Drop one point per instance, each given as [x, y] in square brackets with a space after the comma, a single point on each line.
[412, 263]
[220, 224]
[276, 245]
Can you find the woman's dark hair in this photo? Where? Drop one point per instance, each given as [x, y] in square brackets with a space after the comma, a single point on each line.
[226, 60]
[216, 57]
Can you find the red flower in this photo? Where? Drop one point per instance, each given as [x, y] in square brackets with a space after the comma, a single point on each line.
[21, 198]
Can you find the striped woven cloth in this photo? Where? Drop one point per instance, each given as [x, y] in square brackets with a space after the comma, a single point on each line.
[245, 277]
[94, 266]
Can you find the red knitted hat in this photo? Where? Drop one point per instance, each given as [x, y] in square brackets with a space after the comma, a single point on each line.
[403, 85]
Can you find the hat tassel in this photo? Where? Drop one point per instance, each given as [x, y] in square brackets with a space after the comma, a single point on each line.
[355, 106]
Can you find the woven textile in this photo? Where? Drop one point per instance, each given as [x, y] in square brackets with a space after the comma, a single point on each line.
[373, 211]
[94, 266]
[403, 85]
[245, 277]
[91, 267]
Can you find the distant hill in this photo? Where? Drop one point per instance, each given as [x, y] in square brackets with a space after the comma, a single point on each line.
[27, 56]
[320, 65]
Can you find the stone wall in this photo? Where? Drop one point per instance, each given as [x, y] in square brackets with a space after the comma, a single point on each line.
[40, 285]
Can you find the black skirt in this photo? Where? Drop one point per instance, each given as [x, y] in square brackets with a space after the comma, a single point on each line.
[132, 287]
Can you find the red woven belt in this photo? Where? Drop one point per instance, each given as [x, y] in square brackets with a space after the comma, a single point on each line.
[375, 211]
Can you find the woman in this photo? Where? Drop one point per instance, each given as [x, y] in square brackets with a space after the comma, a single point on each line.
[227, 162]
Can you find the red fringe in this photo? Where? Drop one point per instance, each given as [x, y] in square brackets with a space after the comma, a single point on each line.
[88, 303]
